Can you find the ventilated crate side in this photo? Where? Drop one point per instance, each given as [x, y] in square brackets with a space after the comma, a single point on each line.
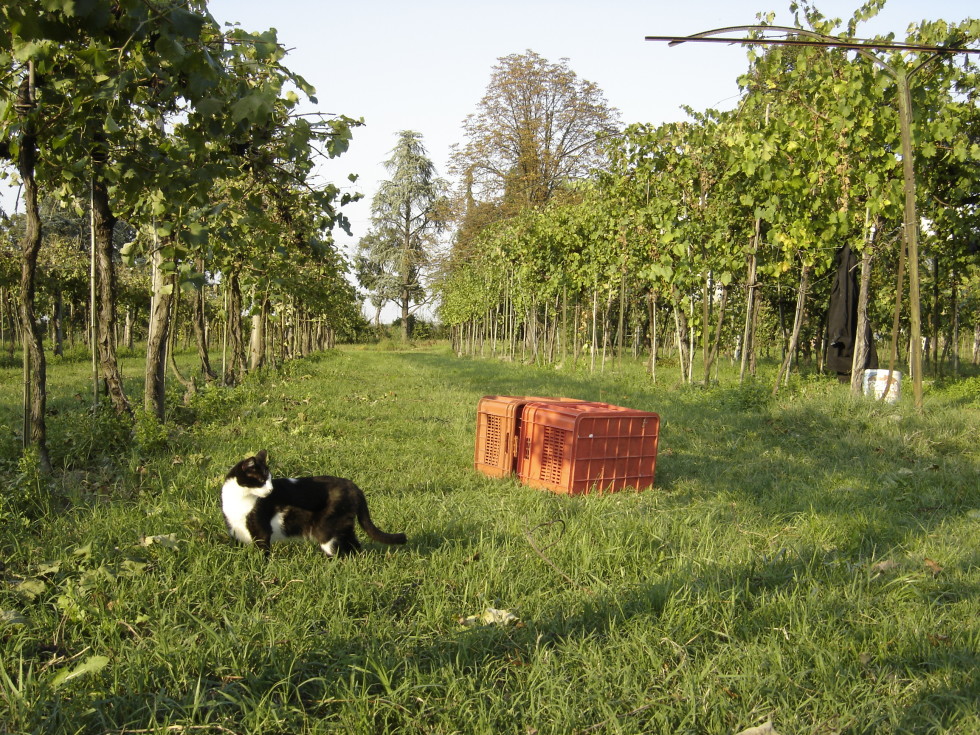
[587, 447]
[491, 445]
[498, 421]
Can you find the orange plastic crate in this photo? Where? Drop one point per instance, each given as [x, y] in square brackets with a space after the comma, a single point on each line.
[498, 423]
[587, 447]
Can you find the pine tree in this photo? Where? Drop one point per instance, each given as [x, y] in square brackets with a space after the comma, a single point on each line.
[405, 220]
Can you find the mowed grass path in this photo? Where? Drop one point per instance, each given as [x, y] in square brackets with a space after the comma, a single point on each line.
[810, 560]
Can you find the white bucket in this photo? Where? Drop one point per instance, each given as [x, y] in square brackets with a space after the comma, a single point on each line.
[873, 383]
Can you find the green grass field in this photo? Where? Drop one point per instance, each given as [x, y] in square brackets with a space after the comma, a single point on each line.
[810, 560]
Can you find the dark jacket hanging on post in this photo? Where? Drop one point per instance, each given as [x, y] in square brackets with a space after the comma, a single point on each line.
[842, 317]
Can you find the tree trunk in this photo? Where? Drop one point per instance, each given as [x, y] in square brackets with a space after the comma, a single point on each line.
[692, 345]
[862, 346]
[297, 325]
[754, 330]
[5, 316]
[300, 334]
[256, 352]
[896, 318]
[406, 332]
[797, 326]
[57, 322]
[308, 345]
[564, 325]
[706, 298]
[200, 328]
[532, 330]
[621, 324]
[595, 317]
[71, 324]
[748, 336]
[607, 320]
[162, 287]
[712, 353]
[541, 335]
[680, 324]
[103, 224]
[406, 270]
[35, 369]
[526, 336]
[235, 368]
[910, 239]
[494, 327]
[282, 355]
[514, 328]
[128, 329]
[954, 336]
[786, 334]
[190, 386]
[553, 337]
[936, 318]
[652, 305]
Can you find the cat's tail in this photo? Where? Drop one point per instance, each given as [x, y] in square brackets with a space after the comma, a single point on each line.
[364, 518]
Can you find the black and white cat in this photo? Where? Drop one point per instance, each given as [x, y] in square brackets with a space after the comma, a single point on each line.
[259, 509]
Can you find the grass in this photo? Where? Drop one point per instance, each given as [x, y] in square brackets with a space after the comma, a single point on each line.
[810, 560]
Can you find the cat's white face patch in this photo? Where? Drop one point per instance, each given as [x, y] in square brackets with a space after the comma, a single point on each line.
[261, 492]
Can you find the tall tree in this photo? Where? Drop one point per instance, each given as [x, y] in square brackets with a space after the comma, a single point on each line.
[35, 371]
[536, 128]
[405, 219]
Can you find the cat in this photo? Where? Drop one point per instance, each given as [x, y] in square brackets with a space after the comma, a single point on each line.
[259, 509]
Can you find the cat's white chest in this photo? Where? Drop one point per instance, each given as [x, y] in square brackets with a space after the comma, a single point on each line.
[236, 503]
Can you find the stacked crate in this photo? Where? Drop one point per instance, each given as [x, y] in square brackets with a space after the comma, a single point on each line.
[566, 446]
[498, 423]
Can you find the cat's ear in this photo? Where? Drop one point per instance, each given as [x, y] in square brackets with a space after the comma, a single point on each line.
[261, 456]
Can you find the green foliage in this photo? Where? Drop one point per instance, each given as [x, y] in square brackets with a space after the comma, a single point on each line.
[747, 396]
[150, 434]
[963, 391]
[25, 497]
[213, 402]
[85, 439]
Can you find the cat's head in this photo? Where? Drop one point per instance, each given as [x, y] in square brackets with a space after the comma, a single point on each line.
[253, 473]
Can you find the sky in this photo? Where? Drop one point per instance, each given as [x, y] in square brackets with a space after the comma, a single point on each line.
[424, 65]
